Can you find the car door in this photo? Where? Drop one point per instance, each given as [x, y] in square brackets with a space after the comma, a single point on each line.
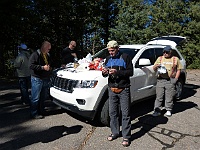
[144, 80]
[171, 40]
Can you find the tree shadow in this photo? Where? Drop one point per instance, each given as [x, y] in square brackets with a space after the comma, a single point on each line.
[83, 119]
[13, 113]
[145, 124]
[180, 106]
[189, 90]
[142, 108]
[45, 136]
[6, 84]
[52, 109]
[9, 99]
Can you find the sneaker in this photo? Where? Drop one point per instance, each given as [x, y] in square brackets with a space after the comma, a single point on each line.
[155, 114]
[168, 113]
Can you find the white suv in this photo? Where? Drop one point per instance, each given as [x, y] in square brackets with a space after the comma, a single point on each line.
[85, 92]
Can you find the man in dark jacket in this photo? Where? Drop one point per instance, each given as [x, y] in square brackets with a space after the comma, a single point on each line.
[118, 68]
[69, 54]
[39, 64]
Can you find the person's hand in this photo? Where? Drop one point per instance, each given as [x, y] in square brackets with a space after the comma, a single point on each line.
[173, 80]
[74, 54]
[112, 71]
[156, 66]
[63, 65]
[105, 70]
[46, 67]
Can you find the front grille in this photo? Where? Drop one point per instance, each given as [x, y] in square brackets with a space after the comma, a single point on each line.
[63, 84]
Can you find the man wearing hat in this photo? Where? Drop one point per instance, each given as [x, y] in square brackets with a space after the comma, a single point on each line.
[23, 72]
[168, 68]
[118, 68]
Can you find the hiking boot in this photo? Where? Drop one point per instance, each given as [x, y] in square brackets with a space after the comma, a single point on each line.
[155, 114]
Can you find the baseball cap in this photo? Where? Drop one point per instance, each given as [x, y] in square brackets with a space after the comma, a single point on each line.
[112, 44]
[167, 48]
[23, 46]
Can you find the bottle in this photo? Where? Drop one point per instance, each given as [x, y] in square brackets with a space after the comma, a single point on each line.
[76, 64]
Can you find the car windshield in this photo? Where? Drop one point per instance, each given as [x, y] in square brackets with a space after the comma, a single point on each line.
[104, 52]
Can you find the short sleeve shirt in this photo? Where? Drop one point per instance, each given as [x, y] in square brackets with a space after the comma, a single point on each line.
[168, 63]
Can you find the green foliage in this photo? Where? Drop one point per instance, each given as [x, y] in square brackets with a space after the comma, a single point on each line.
[132, 22]
[92, 23]
[138, 22]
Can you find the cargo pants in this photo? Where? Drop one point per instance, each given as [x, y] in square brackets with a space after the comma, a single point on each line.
[165, 88]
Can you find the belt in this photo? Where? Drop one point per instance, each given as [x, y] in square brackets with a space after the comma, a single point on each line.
[160, 78]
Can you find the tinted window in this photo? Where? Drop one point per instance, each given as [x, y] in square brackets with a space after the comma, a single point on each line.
[129, 51]
[174, 53]
[149, 54]
[159, 52]
[104, 52]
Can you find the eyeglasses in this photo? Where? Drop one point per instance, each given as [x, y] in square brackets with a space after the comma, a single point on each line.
[166, 52]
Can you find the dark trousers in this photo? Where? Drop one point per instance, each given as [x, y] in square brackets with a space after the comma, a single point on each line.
[24, 84]
[123, 100]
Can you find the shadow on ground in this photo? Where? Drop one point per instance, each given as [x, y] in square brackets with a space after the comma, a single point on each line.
[189, 90]
[45, 136]
[145, 122]
[12, 114]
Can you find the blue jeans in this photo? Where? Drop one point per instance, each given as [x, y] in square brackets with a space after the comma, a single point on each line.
[24, 84]
[39, 93]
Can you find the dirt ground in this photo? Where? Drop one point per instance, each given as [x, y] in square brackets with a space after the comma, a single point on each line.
[194, 74]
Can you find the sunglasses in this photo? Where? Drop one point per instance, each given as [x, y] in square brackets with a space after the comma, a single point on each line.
[166, 52]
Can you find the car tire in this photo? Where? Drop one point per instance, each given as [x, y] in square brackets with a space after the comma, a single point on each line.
[179, 89]
[104, 114]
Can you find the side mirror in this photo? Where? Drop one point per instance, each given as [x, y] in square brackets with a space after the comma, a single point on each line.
[144, 62]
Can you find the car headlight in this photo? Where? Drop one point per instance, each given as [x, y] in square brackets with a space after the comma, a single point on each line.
[86, 84]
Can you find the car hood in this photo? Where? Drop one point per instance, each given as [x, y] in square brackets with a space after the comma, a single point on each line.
[168, 40]
[84, 75]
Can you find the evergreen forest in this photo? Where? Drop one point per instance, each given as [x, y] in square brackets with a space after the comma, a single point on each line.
[93, 23]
